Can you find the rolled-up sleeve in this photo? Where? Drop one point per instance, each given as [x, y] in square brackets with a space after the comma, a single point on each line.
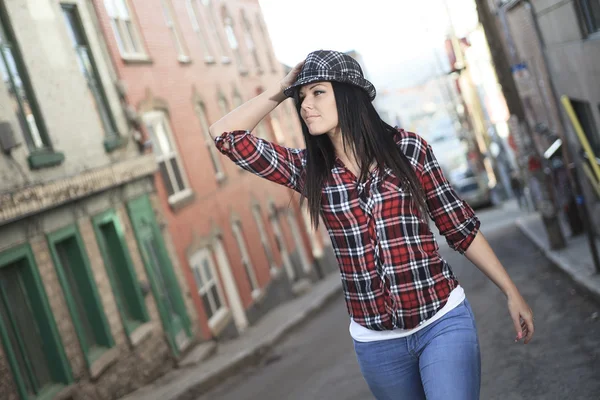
[454, 218]
[271, 161]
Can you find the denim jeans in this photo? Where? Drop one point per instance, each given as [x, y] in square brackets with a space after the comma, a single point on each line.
[438, 362]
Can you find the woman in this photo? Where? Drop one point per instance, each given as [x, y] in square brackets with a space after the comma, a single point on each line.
[374, 187]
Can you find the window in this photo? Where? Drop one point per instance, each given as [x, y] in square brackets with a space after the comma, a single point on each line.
[213, 29]
[206, 281]
[125, 31]
[586, 119]
[19, 89]
[199, 29]
[210, 143]
[261, 131]
[590, 14]
[119, 268]
[239, 237]
[223, 104]
[263, 235]
[73, 270]
[166, 154]
[87, 65]
[175, 34]
[266, 41]
[237, 99]
[232, 38]
[27, 328]
[277, 129]
[250, 43]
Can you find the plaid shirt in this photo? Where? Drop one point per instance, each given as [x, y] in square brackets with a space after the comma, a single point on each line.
[392, 273]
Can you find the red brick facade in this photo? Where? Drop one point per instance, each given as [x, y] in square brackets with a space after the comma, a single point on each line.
[162, 80]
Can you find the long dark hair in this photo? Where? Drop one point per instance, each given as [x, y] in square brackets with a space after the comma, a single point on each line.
[367, 137]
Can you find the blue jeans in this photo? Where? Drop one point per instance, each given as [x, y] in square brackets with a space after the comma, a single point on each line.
[438, 362]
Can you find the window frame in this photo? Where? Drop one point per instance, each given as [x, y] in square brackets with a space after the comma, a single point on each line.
[213, 29]
[238, 233]
[200, 30]
[171, 22]
[266, 42]
[232, 39]
[585, 114]
[44, 154]
[196, 265]
[589, 26]
[264, 238]
[135, 291]
[250, 41]
[202, 115]
[102, 331]
[276, 127]
[161, 117]
[113, 139]
[119, 25]
[58, 364]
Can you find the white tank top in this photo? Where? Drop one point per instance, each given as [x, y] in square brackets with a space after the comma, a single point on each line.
[362, 334]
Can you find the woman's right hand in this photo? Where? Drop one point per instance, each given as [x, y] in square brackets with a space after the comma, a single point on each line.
[290, 78]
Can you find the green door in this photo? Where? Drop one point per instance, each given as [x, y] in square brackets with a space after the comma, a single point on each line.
[160, 273]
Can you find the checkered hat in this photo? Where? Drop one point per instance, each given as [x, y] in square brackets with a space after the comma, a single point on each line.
[329, 65]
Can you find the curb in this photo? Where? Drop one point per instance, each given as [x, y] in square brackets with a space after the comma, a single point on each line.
[254, 355]
[581, 280]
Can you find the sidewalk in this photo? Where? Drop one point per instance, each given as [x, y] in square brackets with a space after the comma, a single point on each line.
[232, 356]
[575, 259]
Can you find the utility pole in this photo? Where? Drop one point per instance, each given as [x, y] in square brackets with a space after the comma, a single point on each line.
[545, 202]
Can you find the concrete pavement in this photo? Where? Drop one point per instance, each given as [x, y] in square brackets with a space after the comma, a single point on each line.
[575, 260]
[248, 349]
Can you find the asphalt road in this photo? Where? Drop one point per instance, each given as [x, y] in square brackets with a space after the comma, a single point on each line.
[562, 362]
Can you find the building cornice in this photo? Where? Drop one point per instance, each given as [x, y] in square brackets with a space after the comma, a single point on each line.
[23, 202]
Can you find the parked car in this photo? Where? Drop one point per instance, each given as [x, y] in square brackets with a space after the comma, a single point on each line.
[472, 188]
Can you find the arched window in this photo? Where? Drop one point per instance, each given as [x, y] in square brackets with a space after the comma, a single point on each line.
[214, 30]
[210, 144]
[199, 28]
[266, 42]
[231, 37]
[250, 42]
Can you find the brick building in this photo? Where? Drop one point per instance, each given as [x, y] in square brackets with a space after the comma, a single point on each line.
[240, 240]
[91, 299]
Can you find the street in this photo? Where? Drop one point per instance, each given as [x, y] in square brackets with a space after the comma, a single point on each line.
[562, 361]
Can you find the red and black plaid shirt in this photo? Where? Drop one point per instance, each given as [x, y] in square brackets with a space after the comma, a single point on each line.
[392, 273]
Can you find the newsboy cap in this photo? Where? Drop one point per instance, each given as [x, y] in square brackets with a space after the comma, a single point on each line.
[329, 65]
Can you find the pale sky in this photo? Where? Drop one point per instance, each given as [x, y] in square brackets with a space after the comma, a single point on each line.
[396, 38]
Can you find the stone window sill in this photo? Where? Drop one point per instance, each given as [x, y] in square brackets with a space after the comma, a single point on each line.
[141, 333]
[593, 36]
[45, 158]
[114, 142]
[220, 177]
[258, 295]
[57, 392]
[184, 59]
[103, 362]
[219, 321]
[181, 199]
[137, 59]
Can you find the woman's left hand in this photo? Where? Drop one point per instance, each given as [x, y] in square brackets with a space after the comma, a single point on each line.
[522, 317]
